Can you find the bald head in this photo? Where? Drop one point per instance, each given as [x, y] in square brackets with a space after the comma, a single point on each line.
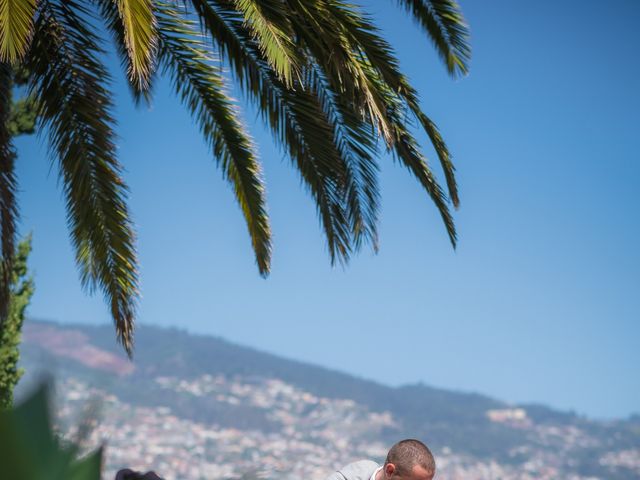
[411, 458]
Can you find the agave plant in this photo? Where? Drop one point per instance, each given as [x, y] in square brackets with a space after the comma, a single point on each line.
[31, 450]
[324, 79]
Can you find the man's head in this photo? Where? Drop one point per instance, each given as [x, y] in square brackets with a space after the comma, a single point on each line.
[409, 460]
[128, 474]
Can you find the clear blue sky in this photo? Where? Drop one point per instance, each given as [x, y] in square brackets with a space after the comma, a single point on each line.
[539, 303]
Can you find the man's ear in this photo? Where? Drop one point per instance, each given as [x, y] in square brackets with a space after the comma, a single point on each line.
[389, 469]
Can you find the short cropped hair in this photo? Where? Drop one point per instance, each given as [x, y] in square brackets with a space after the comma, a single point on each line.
[408, 453]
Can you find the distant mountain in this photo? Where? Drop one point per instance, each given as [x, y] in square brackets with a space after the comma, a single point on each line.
[274, 409]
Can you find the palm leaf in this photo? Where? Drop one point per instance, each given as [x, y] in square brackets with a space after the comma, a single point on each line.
[365, 37]
[198, 82]
[309, 137]
[268, 21]
[326, 43]
[295, 117]
[110, 13]
[442, 151]
[372, 62]
[16, 27]
[407, 149]
[443, 21]
[356, 145]
[140, 36]
[72, 89]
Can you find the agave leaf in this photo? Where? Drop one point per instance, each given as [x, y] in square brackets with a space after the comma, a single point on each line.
[30, 449]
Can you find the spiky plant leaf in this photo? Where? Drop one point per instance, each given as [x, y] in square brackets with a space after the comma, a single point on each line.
[16, 27]
[405, 147]
[295, 117]
[32, 451]
[86, 468]
[198, 82]
[379, 77]
[322, 76]
[319, 32]
[444, 23]
[365, 37]
[268, 21]
[355, 143]
[407, 150]
[110, 14]
[442, 151]
[140, 37]
[73, 90]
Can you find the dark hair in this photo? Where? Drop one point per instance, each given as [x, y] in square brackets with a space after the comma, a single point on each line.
[128, 474]
[408, 453]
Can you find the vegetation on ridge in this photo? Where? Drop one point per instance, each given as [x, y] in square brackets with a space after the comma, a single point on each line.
[21, 290]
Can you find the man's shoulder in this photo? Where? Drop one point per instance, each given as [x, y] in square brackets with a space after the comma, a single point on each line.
[360, 470]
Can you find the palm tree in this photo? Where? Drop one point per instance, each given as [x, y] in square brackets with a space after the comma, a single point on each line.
[325, 81]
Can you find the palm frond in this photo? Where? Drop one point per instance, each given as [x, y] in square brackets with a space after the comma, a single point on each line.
[16, 28]
[198, 82]
[295, 117]
[356, 145]
[110, 13]
[364, 94]
[407, 150]
[268, 21]
[374, 63]
[441, 150]
[308, 137]
[444, 23]
[140, 36]
[72, 89]
[8, 210]
[365, 37]
[323, 37]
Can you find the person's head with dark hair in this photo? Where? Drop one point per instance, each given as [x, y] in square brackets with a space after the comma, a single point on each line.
[409, 459]
[128, 474]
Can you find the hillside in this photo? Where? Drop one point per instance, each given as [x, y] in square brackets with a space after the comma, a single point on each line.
[240, 410]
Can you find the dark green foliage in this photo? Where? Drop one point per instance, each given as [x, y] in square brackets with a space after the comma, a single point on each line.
[16, 118]
[22, 120]
[31, 451]
[73, 88]
[21, 289]
[443, 21]
[200, 85]
[8, 208]
[320, 73]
